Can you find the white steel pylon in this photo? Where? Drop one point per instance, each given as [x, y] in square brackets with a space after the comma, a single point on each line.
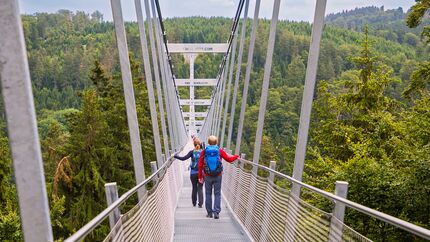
[190, 53]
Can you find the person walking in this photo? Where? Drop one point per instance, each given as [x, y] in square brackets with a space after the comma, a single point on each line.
[197, 190]
[210, 172]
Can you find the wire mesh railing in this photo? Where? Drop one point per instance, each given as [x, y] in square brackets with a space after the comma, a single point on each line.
[152, 218]
[263, 207]
[270, 212]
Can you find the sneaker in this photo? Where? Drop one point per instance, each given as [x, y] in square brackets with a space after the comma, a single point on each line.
[209, 215]
[194, 204]
[200, 206]
[216, 216]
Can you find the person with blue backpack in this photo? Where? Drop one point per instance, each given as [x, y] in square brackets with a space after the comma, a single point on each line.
[197, 187]
[210, 168]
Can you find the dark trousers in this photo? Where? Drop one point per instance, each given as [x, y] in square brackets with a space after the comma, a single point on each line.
[197, 189]
[213, 182]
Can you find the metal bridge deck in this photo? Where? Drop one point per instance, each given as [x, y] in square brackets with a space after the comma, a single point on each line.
[191, 223]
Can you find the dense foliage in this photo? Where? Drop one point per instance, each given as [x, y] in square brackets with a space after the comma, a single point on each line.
[370, 123]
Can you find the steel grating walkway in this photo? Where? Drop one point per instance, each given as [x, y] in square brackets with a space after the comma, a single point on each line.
[191, 223]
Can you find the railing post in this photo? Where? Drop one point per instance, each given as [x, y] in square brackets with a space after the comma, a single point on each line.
[111, 191]
[268, 199]
[242, 156]
[271, 174]
[154, 169]
[163, 159]
[336, 227]
[22, 126]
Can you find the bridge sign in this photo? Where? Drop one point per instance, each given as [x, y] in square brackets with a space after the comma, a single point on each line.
[200, 102]
[197, 48]
[196, 82]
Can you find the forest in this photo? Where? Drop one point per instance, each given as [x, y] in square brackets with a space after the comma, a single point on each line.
[370, 121]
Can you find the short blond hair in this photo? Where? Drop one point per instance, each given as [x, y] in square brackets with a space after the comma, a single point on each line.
[196, 142]
[212, 140]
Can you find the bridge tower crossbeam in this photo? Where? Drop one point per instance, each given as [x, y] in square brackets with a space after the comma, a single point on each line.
[190, 53]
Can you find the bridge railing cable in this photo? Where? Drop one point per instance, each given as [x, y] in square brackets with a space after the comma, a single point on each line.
[271, 203]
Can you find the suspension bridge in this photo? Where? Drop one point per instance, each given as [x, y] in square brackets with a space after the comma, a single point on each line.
[254, 207]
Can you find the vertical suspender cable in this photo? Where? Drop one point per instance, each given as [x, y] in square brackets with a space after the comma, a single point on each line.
[247, 76]
[148, 78]
[157, 80]
[217, 109]
[239, 66]
[220, 104]
[230, 77]
[224, 80]
[230, 42]
[157, 4]
[163, 79]
[165, 75]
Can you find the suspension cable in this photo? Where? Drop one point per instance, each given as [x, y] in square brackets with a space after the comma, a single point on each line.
[169, 58]
[230, 43]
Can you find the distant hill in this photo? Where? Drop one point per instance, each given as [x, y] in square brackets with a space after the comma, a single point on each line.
[389, 24]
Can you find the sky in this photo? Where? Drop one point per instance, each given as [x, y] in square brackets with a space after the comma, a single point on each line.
[298, 10]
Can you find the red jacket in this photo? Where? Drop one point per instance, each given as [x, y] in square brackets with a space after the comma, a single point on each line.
[223, 155]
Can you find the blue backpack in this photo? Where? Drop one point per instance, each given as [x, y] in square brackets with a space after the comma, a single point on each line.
[195, 160]
[212, 165]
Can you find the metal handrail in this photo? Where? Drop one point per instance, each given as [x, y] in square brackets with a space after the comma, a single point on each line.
[410, 227]
[90, 226]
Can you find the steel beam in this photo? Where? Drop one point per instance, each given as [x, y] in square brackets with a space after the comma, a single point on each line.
[128, 93]
[22, 126]
[305, 113]
[308, 93]
[266, 79]
[247, 76]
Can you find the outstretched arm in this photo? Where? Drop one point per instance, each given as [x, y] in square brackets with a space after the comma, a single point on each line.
[227, 157]
[186, 157]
